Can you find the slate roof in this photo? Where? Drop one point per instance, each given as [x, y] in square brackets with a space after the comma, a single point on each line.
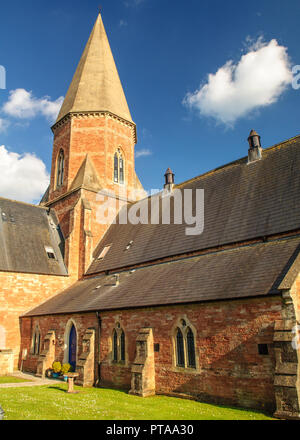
[248, 271]
[96, 84]
[242, 202]
[25, 231]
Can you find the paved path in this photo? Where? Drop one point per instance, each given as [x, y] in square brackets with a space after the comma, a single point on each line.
[34, 381]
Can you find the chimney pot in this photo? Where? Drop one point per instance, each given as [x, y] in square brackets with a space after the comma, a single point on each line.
[169, 179]
[254, 152]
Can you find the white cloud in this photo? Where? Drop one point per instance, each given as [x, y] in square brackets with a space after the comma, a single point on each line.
[123, 23]
[144, 152]
[4, 123]
[23, 105]
[22, 177]
[235, 90]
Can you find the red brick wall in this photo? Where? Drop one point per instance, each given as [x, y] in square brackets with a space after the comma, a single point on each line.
[62, 141]
[229, 368]
[98, 136]
[18, 294]
[58, 324]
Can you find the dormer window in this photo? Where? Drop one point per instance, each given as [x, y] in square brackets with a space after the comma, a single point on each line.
[119, 167]
[50, 253]
[60, 169]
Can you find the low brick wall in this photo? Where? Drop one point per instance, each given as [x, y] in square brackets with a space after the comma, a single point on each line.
[6, 362]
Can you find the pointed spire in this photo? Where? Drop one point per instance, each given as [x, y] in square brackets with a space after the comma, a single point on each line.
[96, 85]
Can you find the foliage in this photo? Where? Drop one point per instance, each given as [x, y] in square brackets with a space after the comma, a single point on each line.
[56, 367]
[66, 368]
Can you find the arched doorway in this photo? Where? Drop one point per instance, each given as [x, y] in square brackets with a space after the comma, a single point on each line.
[72, 347]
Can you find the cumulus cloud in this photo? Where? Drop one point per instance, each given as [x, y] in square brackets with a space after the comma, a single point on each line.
[235, 90]
[22, 177]
[23, 105]
[143, 152]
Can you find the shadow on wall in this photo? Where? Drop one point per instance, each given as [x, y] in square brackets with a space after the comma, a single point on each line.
[239, 377]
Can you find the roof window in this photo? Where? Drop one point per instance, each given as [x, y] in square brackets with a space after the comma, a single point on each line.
[50, 253]
[104, 252]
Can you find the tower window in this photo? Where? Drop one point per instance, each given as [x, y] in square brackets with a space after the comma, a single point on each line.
[119, 167]
[60, 169]
[116, 168]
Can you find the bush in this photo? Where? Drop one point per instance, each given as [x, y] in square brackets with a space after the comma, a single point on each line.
[66, 368]
[56, 367]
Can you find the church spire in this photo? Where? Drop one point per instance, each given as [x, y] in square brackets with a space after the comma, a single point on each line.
[96, 85]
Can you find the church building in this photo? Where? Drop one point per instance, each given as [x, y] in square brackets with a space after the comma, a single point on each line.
[152, 307]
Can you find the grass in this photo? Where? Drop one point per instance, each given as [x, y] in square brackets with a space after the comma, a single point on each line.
[53, 403]
[11, 379]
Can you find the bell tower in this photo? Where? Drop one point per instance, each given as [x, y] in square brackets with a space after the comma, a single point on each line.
[93, 151]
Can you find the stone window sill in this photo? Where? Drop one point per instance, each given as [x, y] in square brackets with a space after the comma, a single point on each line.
[186, 370]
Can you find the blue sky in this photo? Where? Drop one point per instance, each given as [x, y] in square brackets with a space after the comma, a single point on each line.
[164, 51]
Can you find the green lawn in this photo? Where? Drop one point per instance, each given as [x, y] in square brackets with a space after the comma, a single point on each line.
[11, 379]
[53, 403]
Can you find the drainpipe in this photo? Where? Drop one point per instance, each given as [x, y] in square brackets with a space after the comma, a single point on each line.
[99, 350]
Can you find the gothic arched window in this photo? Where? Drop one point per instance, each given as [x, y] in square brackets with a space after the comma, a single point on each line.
[179, 348]
[191, 349]
[115, 346]
[118, 344]
[36, 342]
[60, 169]
[116, 168]
[119, 167]
[122, 346]
[184, 339]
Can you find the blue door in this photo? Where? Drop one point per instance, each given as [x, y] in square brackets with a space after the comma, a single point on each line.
[72, 347]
